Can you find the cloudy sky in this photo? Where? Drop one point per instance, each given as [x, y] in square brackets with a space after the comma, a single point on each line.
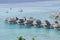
[19, 1]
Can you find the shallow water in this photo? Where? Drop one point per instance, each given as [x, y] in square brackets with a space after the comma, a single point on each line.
[39, 10]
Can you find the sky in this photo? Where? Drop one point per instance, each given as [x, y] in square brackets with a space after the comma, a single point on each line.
[19, 1]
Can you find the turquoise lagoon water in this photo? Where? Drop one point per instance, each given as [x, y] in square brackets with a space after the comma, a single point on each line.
[39, 10]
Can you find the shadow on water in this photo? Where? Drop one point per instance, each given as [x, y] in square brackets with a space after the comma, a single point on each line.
[16, 26]
[58, 29]
[19, 26]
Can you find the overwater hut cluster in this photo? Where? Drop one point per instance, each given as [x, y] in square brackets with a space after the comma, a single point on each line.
[35, 22]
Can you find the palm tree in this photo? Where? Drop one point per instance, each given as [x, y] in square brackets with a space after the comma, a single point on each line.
[33, 38]
[20, 38]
